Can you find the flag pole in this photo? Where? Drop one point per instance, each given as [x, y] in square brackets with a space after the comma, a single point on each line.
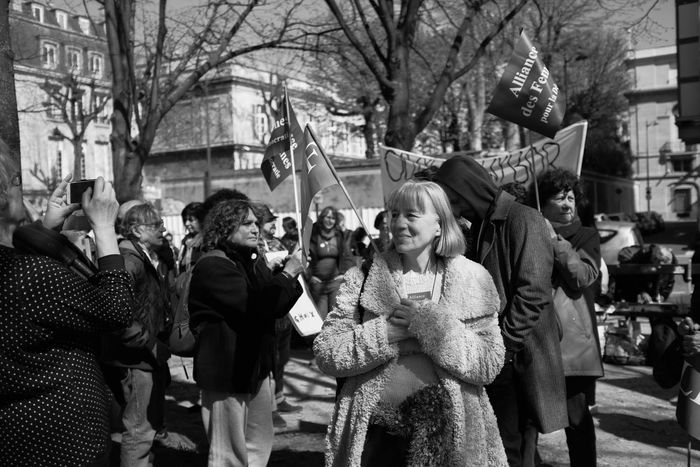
[294, 171]
[342, 187]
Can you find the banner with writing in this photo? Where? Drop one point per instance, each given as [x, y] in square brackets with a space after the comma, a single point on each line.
[564, 151]
[526, 94]
[286, 134]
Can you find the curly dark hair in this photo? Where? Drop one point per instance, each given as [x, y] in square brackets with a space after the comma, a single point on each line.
[223, 219]
[224, 194]
[194, 209]
[553, 182]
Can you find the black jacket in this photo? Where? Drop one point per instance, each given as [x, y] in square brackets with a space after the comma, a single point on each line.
[141, 345]
[234, 301]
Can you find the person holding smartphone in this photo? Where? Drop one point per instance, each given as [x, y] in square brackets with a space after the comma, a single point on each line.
[417, 339]
[55, 408]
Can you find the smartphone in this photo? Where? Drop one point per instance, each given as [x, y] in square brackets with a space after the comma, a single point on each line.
[76, 190]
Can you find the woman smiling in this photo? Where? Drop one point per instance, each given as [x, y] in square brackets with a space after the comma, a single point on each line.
[417, 340]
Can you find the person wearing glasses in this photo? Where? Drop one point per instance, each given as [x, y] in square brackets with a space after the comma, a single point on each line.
[137, 357]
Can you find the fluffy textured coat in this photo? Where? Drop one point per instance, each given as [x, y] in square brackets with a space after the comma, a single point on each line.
[460, 334]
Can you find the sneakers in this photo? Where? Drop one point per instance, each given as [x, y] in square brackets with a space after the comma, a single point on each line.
[278, 421]
[286, 407]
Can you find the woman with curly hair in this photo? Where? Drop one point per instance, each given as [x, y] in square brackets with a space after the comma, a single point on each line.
[234, 302]
[329, 258]
[416, 340]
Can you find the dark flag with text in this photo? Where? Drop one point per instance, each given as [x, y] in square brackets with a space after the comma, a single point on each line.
[315, 174]
[526, 93]
[277, 162]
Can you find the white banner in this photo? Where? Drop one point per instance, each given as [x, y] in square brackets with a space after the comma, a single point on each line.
[564, 151]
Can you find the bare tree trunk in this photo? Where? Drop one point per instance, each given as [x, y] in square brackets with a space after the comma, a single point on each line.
[9, 123]
[400, 128]
[77, 157]
[368, 108]
[476, 101]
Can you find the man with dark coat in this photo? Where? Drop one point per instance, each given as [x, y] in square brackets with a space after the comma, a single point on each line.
[512, 242]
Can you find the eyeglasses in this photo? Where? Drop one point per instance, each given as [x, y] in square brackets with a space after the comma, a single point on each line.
[155, 225]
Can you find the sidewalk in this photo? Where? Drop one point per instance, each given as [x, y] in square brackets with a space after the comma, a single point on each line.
[635, 421]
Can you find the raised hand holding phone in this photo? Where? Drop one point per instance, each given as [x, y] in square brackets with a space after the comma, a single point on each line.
[58, 209]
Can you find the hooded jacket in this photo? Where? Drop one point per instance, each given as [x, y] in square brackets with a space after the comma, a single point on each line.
[512, 242]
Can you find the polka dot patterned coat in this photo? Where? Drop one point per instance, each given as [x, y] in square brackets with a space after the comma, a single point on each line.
[53, 400]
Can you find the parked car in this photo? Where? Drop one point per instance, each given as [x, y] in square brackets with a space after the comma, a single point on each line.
[614, 236]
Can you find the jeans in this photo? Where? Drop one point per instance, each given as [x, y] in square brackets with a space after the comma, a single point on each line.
[138, 435]
[239, 427]
[324, 294]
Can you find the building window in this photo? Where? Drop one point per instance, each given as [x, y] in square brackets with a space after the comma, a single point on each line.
[38, 12]
[62, 19]
[84, 24]
[95, 64]
[49, 54]
[52, 111]
[260, 124]
[75, 61]
[681, 201]
[682, 164]
[106, 113]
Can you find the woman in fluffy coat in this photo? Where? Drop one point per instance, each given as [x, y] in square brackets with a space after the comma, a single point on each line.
[416, 339]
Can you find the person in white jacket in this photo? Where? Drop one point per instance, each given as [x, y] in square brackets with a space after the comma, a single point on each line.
[415, 341]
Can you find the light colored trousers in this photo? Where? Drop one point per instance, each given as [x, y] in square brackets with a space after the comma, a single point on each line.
[239, 427]
[137, 439]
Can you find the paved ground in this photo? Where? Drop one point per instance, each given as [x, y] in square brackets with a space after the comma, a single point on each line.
[635, 421]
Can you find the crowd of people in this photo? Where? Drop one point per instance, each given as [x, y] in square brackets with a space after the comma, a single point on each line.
[457, 335]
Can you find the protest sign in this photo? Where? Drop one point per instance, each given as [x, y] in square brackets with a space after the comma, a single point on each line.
[304, 315]
[526, 93]
[564, 151]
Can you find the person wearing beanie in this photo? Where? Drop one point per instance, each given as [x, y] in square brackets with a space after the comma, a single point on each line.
[512, 242]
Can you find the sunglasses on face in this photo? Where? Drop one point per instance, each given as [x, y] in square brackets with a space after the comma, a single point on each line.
[155, 225]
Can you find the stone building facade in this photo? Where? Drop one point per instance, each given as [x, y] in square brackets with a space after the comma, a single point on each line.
[231, 110]
[662, 160]
[51, 43]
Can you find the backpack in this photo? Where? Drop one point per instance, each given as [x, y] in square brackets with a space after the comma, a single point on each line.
[181, 340]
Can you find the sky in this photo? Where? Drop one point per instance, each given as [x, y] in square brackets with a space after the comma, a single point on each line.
[660, 27]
